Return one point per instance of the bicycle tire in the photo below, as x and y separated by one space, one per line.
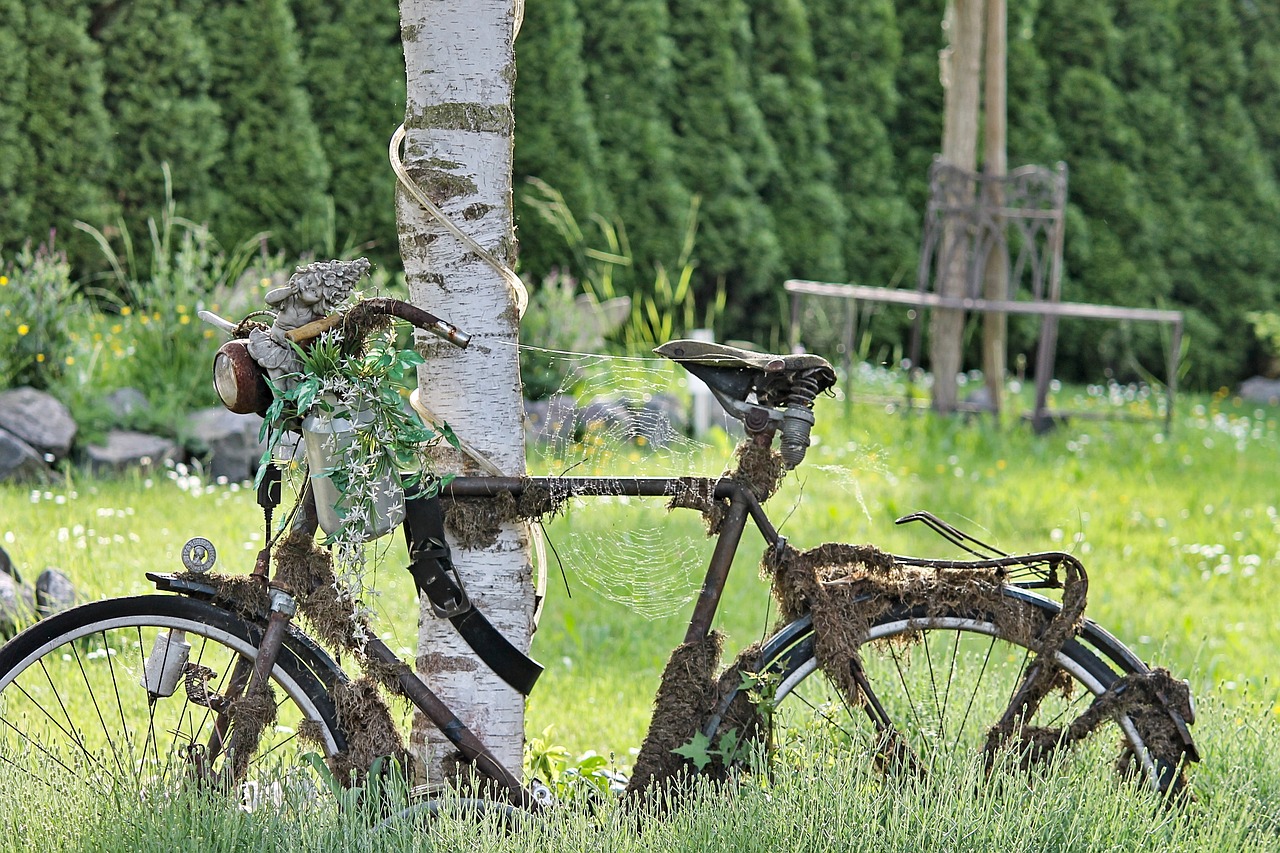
801 699
77 719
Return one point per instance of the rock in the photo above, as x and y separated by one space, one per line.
17 605
1259 389
127 449
229 442
125 401
657 421
550 421
605 414
20 461
39 419
54 593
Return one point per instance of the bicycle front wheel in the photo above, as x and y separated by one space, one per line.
935 687
129 699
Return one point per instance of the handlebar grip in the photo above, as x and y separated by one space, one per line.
424 320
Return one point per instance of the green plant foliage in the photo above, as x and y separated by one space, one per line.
273 170
558 143
66 124
810 219
353 71
725 155
16 154
858 51
364 388
148 335
630 82
40 314
156 69
661 311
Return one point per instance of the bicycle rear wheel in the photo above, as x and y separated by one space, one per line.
77 717
935 686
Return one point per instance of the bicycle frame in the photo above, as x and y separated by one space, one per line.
742 504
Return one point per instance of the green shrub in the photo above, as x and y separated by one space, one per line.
40 312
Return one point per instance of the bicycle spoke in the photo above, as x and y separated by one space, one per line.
977 684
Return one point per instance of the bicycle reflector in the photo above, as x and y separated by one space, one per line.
239 380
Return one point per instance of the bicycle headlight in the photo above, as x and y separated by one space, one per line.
239 380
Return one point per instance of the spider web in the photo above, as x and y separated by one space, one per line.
620 418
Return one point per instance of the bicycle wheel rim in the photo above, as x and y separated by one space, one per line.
942 681
76 718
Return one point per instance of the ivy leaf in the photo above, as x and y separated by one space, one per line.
696 750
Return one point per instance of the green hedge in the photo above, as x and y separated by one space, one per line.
802 128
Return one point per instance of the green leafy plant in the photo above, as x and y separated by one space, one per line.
661 309
1266 329
147 334
42 313
364 385
587 777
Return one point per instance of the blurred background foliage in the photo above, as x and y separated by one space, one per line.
799 130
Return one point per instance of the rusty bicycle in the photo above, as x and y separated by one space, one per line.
903 661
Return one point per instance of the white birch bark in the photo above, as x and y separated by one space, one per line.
460 67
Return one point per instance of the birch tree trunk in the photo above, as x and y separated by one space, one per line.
961 72
460 67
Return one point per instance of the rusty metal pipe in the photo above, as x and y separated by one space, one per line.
454 729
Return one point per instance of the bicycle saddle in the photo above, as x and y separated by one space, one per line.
687 352
766 392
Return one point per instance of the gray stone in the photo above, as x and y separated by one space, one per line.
39 419
604 414
20 461
125 401
550 421
658 421
54 593
17 605
228 441
127 449
1259 389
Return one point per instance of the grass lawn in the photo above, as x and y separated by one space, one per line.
1180 534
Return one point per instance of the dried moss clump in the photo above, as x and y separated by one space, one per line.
685 699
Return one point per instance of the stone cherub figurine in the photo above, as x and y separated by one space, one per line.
312 293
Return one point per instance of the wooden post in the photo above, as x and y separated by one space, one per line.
995 283
961 70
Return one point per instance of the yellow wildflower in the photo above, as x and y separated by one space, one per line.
23 328
40 357
4 281
184 319
71 359
126 311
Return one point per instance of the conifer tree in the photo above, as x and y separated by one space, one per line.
810 219
555 139
726 157
16 155
157 78
859 55
274 175
66 125
915 128
630 82
353 72
1239 261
